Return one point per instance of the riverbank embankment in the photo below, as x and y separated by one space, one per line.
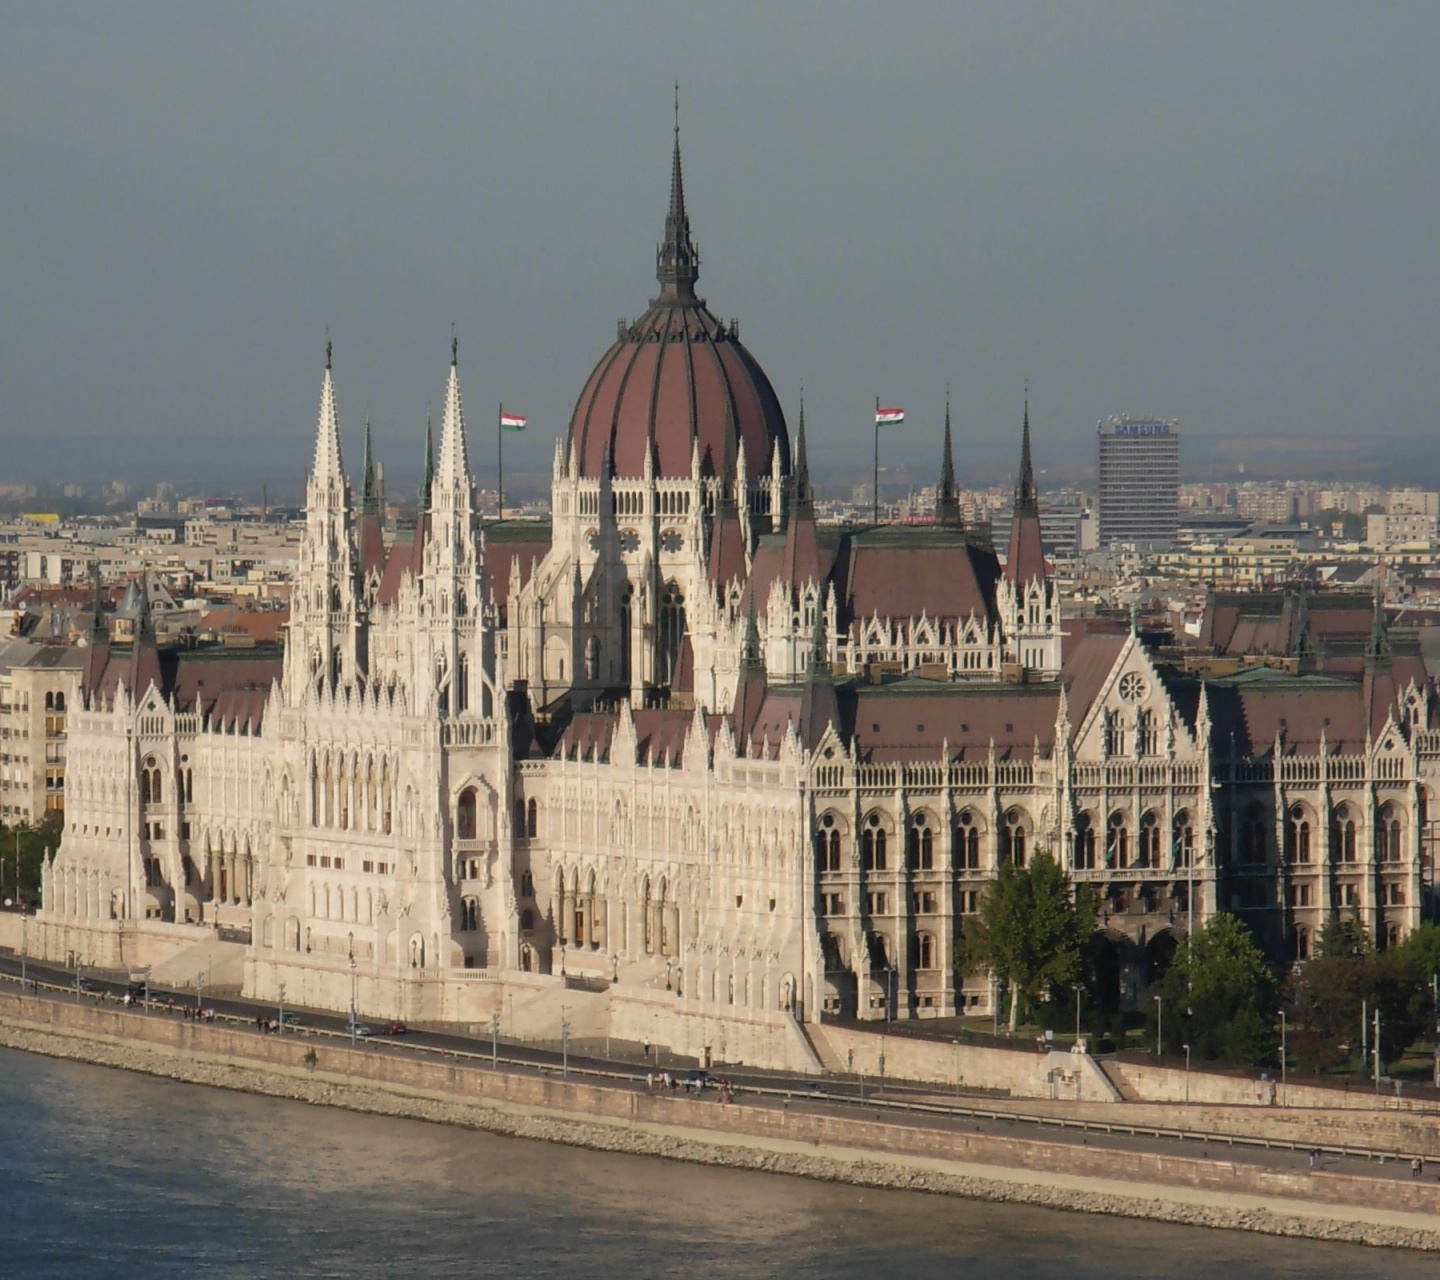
793 1137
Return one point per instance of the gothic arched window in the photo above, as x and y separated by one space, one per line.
465 815
1013 838
1342 834
672 632
1149 840
872 844
1083 840
1297 835
1117 841
967 842
1182 839
1389 847
827 845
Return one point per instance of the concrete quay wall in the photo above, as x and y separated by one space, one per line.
776 1138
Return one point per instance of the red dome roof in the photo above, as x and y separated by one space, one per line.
675 379
678 378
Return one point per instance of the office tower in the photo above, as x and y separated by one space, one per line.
1139 481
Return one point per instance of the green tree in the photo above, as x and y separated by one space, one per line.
1030 931
1220 997
1348 980
1421 950
34 840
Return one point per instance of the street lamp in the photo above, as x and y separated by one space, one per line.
1159 1023
564 1044
1282 1057
1187 1074
495 1039
147 988
280 1010
19 826
614 968
562 957
199 990
353 1018
24 950
668 964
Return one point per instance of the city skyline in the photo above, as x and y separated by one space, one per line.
973 198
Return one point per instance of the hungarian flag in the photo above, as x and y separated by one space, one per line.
512 421
889 417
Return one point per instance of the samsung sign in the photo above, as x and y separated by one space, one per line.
1142 428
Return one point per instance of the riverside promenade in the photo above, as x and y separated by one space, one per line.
792 1133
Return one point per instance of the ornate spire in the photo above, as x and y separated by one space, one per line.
800 477
329 463
370 491
677 264
1027 500
427 482
454 462
947 496
1025 561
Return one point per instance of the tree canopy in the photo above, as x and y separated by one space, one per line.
1348 979
34 840
1220 997
1030 931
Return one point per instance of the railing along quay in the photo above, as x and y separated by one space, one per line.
814 1094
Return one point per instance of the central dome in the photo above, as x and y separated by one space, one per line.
677 380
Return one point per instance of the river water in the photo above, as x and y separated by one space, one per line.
108 1174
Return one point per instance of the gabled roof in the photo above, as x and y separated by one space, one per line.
1089 660
915 719
507 541
903 571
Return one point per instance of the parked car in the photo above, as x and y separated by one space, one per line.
87 985
394 1029
357 1029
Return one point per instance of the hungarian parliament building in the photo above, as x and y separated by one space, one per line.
689 752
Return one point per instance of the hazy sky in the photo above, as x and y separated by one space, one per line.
1222 213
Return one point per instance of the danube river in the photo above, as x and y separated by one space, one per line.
103 1173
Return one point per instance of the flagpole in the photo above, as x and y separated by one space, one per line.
500 464
875 494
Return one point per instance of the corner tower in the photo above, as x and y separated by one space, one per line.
324 644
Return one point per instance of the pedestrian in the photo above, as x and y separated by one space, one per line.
1415 1167
1311 1154
850 1061
645 1044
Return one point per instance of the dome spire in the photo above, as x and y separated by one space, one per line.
677 264
369 492
1027 499
427 481
947 497
804 495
